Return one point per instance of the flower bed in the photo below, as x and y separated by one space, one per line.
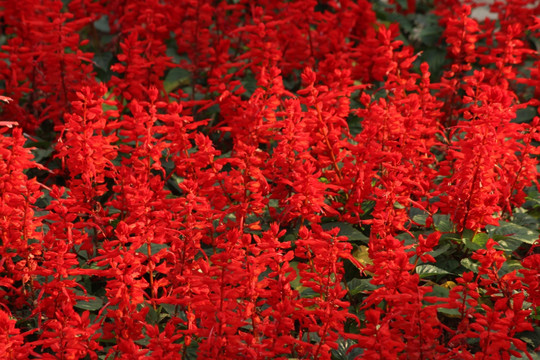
269 180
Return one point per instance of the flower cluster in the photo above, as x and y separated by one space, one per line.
269 180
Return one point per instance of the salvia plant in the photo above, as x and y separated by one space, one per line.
272 179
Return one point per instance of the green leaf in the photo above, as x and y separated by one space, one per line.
192 351
153 316
367 207
40 154
470 245
436 58
444 293
506 244
513 231
468 240
452 237
443 223
509 266
309 293
532 338
404 21
249 82
439 251
425 270
343 353
429 35
91 304
470 265
428 30
361 253
452 313
102 24
481 239
449 264
170 309
175 78
397 205
408 239
103 60
154 248
533 198
295 284
346 229
521 217
357 286
525 115
420 218
403 4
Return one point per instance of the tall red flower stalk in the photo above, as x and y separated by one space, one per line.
485 150
46 62
21 233
325 312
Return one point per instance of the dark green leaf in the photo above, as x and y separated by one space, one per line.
453 238
425 270
439 251
470 265
357 286
436 58
533 198
102 24
443 223
532 338
170 309
509 266
343 353
249 82
175 78
453 313
420 218
295 284
514 231
443 293
397 205
429 35
367 207
91 304
507 244
191 353
309 293
525 115
103 60
526 220
480 239
450 264
152 317
154 248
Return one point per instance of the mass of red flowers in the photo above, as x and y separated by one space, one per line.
273 179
